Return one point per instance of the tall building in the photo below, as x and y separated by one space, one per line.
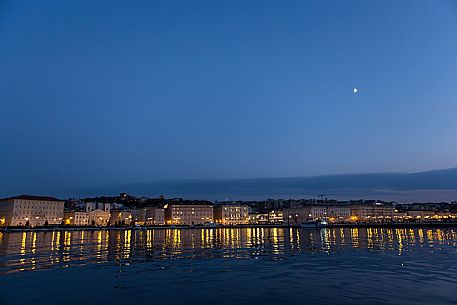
228 214
188 214
31 210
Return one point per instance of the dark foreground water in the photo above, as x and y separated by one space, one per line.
230 266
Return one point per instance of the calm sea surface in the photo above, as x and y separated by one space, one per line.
230 266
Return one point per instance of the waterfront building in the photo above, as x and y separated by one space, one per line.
122 217
154 216
76 218
421 214
296 215
188 214
427 215
313 212
140 216
231 214
98 213
258 218
338 213
275 217
372 211
31 210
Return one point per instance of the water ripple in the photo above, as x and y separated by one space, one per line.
274 265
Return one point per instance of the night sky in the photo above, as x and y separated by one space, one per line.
100 92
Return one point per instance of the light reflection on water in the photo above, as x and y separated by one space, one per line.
28 251
231 266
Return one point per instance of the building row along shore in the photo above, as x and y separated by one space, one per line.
125 210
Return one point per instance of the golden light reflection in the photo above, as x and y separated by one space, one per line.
34 242
176 238
275 241
342 236
81 241
439 236
298 239
421 235
332 237
355 237
210 237
398 234
203 238
52 241
429 234
106 244
249 236
412 237
390 238
23 248
99 243
67 239
58 248
67 246
291 236
149 239
127 243
370 238
237 239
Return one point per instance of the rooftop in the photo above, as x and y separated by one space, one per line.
29 197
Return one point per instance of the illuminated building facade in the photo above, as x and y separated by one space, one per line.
421 214
154 216
295 216
98 213
31 210
122 217
275 217
76 218
228 214
376 211
336 213
332 213
188 214
258 218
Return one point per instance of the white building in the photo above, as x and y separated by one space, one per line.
332 213
31 210
98 213
231 214
76 218
155 216
188 214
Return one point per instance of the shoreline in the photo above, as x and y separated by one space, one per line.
167 227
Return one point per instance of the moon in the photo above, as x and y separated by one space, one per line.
355 90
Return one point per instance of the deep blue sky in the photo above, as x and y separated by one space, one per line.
98 92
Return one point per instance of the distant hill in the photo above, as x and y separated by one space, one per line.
345 184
